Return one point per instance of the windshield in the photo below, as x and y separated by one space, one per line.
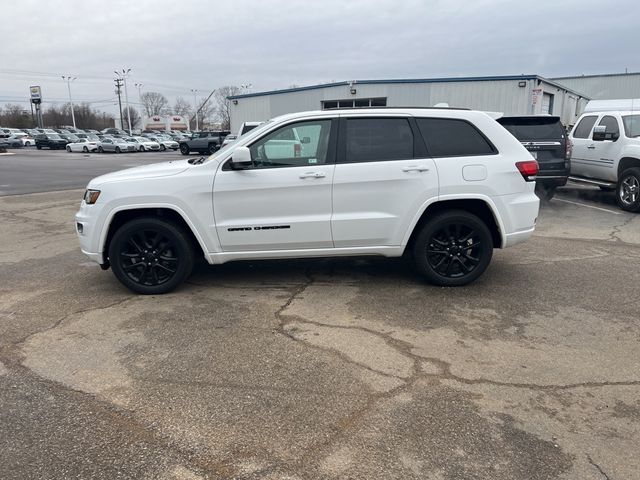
631 125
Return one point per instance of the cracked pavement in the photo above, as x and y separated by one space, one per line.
328 368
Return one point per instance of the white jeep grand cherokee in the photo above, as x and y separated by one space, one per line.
447 186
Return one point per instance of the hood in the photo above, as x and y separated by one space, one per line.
165 169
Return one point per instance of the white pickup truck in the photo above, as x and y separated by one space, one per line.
606 153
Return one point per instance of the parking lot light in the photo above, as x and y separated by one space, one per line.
69 79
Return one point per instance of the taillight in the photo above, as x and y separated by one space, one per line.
297 149
528 170
568 149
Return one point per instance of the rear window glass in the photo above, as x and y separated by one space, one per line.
631 125
447 137
533 128
584 127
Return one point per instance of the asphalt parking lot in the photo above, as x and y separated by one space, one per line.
337 368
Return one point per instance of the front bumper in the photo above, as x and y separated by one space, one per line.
87 235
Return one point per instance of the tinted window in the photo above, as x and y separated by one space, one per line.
294 145
378 139
584 127
538 128
611 123
447 137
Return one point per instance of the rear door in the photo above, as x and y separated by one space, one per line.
382 178
283 202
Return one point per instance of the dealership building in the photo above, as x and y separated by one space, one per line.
511 95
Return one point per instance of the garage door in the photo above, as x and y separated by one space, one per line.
547 103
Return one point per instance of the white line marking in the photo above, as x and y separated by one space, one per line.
588 206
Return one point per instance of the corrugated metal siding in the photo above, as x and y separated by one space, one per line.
605 87
491 95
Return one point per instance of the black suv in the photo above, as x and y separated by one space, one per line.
547 140
52 141
203 142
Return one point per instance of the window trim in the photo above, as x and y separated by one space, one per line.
494 150
331 147
418 142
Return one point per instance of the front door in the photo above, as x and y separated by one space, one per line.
604 153
283 201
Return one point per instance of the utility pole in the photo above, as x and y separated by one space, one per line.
68 79
195 106
123 76
118 82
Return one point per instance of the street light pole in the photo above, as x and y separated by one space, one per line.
68 79
195 107
139 87
124 75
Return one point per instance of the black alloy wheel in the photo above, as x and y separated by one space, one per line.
68 149
545 192
453 248
118 150
213 148
184 149
150 256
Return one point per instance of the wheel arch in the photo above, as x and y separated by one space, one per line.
627 162
119 217
480 207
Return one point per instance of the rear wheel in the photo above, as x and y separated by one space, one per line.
453 248
545 192
100 149
628 190
212 148
162 148
184 149
150 256
85 149
118 150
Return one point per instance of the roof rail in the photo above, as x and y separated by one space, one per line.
398 107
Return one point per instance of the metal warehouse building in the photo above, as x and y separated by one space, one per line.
604 87
512 95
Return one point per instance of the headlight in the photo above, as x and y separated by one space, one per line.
91 196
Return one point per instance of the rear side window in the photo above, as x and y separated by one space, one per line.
539 128
378 139
449 137
584 127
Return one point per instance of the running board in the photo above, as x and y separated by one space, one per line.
599 183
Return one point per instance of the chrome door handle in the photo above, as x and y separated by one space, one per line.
312 175
415 168
591 147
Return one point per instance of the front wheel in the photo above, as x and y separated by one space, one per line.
39 147
100 149
142 148
68 148
150 256
184 149
628 190
453 248
213 148
118 150
162 148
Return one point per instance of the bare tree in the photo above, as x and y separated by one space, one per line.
136 121
15 116
154 103
223 104
182 107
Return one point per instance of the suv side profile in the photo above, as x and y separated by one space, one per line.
203 142
444 186
606 153
546 138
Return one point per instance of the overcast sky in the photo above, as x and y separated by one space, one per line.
174 46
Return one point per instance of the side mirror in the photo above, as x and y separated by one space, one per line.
305 140
600 134
241 158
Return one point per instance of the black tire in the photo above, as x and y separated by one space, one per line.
85 149
545 192
213 148
39 147
68 148
162 148
118 150
453 248
628 190
184 149
163 246
100 149
142 148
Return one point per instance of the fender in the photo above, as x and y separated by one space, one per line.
444 198
109 218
